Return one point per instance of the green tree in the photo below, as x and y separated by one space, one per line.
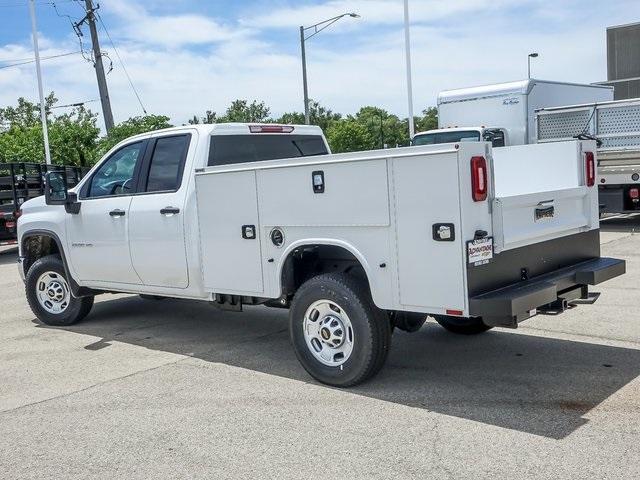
318 115
26 113
349 135
209 117
428 121
72 136
243 111
130 127
385 128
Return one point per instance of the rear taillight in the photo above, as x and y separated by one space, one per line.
589 169
634 193
271 128
479 179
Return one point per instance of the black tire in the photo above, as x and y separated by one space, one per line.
462 325
76 309
409 322
371 329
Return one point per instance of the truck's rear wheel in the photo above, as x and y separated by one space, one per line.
409 322
462 325
49 295
340 337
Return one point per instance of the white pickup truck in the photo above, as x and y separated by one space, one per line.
353 244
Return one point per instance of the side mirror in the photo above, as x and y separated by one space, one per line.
55 189
55 193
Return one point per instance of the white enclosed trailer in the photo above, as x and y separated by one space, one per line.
512 105
616 125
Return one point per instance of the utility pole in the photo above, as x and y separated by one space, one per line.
43 112
97 56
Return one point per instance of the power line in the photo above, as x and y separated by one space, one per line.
76 29
104 27
77 104
25 62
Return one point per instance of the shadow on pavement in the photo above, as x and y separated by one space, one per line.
8 255
542 386
621 223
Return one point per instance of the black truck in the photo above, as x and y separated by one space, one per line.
22 181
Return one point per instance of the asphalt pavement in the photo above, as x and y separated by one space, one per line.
178 389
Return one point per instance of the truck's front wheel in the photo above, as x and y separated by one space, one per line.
340 337
49 295
462 325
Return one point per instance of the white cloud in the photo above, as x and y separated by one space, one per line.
170 31
205 69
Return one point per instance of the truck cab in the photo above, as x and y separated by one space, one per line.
498 137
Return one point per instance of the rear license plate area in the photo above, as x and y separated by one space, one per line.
480 251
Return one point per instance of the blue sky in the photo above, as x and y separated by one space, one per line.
188 56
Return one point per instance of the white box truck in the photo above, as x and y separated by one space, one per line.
511 106
353 244
532 111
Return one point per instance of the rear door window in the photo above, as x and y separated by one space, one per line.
230 149
167 163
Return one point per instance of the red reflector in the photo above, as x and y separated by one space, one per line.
271 128
589 169
634 193
478 179
10 224
454 312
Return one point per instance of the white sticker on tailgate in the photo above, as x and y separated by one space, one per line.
480 251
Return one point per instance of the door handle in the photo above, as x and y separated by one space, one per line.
169 211
117 213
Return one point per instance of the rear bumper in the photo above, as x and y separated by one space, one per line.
511 304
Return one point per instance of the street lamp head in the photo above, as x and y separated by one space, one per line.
353 15
533 55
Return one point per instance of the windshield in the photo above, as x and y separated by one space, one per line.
447 137
228 149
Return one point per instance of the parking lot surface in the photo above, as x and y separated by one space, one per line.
178 389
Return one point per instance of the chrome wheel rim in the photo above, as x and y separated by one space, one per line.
328 333
53 293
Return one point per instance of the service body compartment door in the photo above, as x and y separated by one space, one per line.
426 193
229 239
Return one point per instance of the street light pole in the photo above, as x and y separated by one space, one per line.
317 28
529 57
43 112
407 48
